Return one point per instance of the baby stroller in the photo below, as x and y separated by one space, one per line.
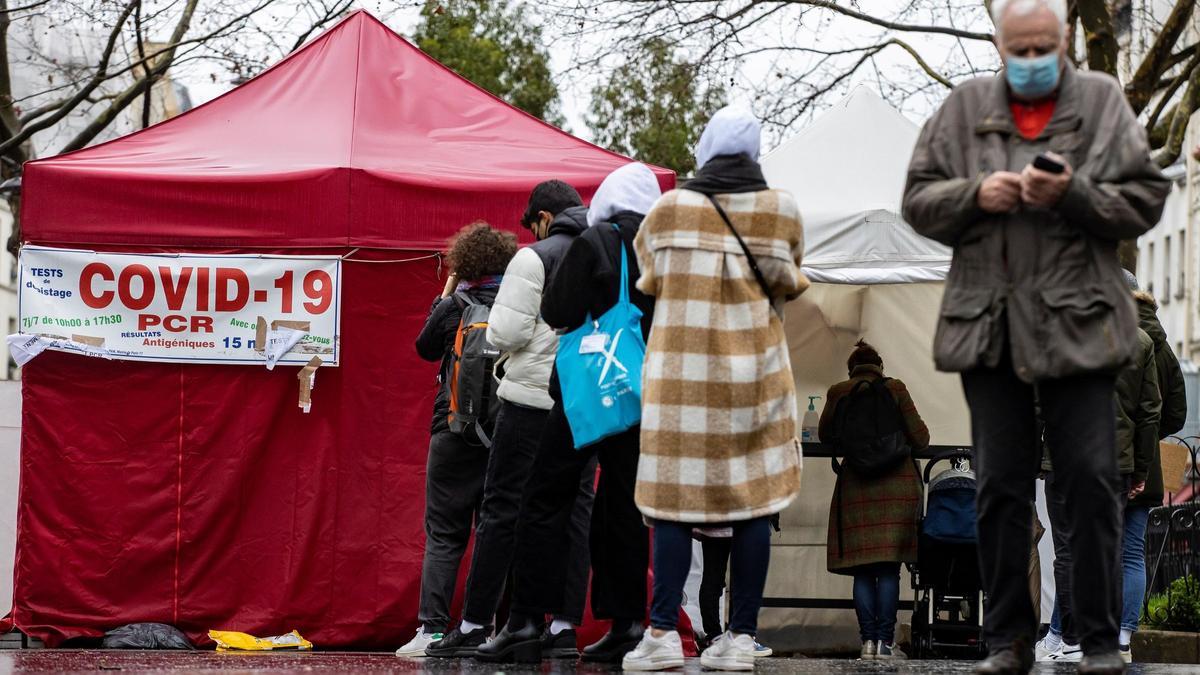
948 609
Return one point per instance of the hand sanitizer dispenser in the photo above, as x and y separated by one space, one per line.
808 427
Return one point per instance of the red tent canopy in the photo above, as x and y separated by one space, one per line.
200 495
358 139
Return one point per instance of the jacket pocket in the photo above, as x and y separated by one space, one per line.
1079 331
965 328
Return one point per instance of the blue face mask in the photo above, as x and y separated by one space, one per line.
1032 77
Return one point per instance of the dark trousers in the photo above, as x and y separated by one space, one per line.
712 582
1062 621
619 540
1080 432
749 556
876 600
453 489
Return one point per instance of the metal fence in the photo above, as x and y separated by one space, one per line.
1173 547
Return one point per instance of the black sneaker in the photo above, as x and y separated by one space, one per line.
459 645
561 646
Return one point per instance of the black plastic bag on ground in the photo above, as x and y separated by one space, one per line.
146 636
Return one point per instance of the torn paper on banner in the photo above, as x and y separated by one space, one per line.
308 380
277 341
25 347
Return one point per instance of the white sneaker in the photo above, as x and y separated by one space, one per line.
655 653
889 652
732 652
1042 652
1067 654
869 650
1126 653
417 645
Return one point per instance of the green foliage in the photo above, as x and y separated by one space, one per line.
654 107
494 45
1177 609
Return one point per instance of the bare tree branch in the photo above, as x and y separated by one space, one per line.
330 14
32 5
1179 121
1155 63
1170 92
29 130
160 66
921 62
141 50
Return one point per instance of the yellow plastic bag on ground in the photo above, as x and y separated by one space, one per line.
230 641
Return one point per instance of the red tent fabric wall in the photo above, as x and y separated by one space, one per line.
200 495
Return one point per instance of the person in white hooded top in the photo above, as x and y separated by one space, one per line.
587 282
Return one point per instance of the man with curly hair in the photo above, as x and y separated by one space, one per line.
457 463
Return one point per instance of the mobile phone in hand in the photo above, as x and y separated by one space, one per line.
1048 164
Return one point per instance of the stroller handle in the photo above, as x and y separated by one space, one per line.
961 453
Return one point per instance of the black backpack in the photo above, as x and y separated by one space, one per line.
473 400
870 429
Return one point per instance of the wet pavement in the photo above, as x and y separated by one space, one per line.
79 661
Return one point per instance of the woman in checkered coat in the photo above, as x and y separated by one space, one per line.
718 401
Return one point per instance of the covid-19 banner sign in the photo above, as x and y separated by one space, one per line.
181 306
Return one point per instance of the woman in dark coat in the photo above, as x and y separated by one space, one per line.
873 521
477 257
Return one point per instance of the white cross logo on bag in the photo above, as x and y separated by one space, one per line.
610 357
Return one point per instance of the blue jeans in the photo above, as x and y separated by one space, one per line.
1133 565
876 600
749 557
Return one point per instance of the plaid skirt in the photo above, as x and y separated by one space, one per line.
874 520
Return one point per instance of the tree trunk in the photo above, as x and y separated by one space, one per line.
1101 42
1127 253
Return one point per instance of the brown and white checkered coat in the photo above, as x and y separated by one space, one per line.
718 400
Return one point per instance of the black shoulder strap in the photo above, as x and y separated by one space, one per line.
762 282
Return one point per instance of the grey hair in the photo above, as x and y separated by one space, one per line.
1023 7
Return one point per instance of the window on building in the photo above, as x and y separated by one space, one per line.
1166 288
1181 286
1148 274
11 372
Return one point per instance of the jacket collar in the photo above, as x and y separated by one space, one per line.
866 370
997 115
571 221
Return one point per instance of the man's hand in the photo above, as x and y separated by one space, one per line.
1137 489
1042 188
1000 192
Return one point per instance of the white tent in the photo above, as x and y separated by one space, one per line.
847 172
874 278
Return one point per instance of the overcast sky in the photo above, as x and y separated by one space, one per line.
891 66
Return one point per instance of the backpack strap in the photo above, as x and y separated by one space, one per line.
463 299
750 259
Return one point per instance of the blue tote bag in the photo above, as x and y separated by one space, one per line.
600 370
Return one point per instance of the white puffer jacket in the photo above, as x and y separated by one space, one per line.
515 327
